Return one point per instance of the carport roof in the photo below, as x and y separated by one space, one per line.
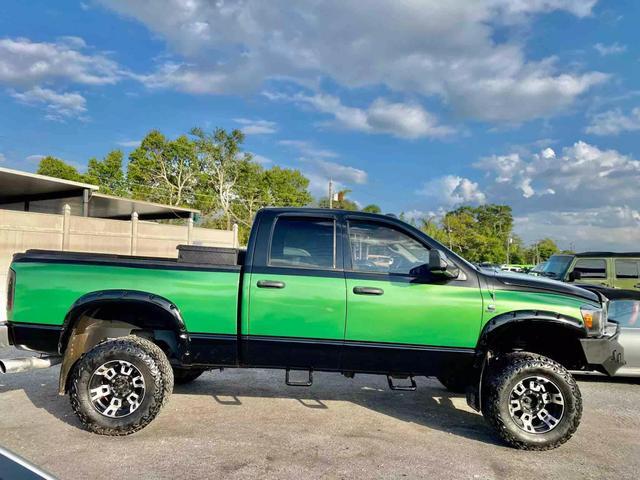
40 193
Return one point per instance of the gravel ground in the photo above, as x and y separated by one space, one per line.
248 424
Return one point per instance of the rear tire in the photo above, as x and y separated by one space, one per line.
120 385
186 375
532 402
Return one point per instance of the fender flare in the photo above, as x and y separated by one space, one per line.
509 319
71 352
500 323
105 297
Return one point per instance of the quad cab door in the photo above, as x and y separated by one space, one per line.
396 321
297 304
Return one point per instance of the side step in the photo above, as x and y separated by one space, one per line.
402 388
308 383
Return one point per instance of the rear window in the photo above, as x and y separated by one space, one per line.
303 242
627 269
591 268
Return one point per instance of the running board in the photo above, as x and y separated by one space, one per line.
308 383
402 388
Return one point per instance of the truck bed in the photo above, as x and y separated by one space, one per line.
49 282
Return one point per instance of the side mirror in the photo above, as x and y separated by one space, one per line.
439 266
575 275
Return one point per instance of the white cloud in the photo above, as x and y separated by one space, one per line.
261 159
613 122
338 172
451 190
605 228
129 143
256 127
405 120
2 157
307 149
584 194
35 158
613 49
319 169
58 106
425 48
27 63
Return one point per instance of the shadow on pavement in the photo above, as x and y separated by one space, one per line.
430 406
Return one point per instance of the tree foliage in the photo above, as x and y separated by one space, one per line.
163 170
481 234
211 172
54 167
372 208
108 174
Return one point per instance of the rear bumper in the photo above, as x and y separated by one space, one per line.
604 354
4 335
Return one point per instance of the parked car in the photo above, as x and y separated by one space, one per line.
609 269
318 289
624 308
538 269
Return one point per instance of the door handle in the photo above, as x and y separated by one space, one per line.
368 291
270 284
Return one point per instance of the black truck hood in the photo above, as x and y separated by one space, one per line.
524 282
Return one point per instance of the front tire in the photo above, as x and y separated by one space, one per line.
532 402
120 385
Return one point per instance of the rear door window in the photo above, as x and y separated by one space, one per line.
627 269
591 268
303 242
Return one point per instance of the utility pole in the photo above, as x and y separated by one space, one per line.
509 240
330 193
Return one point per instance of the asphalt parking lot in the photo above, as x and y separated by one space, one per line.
248 424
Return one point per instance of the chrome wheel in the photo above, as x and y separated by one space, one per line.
536 404
116 389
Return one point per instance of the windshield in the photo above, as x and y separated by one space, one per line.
556 266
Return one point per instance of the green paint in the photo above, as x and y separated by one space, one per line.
414 313
310 307
46 291
509 301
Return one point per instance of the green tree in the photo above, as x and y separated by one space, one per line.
542 250
108 174
220 158
342 202
479 233
287 188
372 208
256 188
163 170
54 167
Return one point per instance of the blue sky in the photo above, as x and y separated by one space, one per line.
418 106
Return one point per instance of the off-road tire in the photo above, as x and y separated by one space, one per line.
454 383
504 375
152 363
186 375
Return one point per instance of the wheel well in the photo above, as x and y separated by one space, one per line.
556 341
95 322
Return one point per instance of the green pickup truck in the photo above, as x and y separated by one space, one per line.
316 290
